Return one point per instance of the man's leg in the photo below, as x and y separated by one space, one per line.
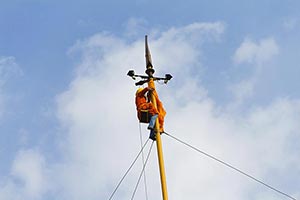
152 135
152 121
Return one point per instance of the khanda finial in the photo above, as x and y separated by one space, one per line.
149 67
149 70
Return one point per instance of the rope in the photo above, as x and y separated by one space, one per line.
232 167
111 196
136 186
143 159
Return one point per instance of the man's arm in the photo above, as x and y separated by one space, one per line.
143 92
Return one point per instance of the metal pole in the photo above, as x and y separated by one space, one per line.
159 148
150 79
150 71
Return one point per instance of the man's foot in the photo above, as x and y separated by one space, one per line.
152 135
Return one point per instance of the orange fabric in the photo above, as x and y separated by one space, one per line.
159 105
142 104
161 111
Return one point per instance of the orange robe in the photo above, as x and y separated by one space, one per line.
142 104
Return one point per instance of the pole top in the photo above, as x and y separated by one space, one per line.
149 67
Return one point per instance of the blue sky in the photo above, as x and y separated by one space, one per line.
63 84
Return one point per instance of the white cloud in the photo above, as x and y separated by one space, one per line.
99 111
9 191
99 114
8 68
135 26
259 143
102 134
257 55
28 178
251 52
242 91
29 168
290 24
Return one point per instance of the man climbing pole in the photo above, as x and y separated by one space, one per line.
146 112
150 110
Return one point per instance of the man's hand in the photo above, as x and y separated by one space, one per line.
150 88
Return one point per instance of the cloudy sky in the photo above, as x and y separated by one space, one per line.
68 122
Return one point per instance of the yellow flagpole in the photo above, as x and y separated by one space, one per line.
150 79
159 147
149 72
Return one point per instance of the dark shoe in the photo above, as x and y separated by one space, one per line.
152 135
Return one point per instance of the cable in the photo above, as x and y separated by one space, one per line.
111 196
136 186
232 167
145 180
